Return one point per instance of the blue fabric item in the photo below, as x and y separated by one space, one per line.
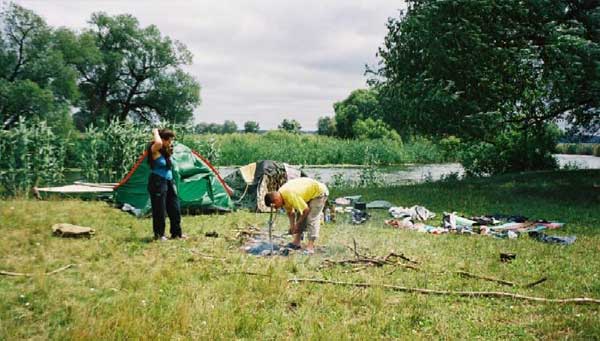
160 168
264 249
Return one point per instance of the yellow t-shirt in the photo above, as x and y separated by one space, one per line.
298 192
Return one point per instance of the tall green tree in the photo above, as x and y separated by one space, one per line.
251 127
128 71
484 70
326 126
360 104
229 127
35 81
469 68
290 125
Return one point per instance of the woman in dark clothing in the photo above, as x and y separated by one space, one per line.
163 194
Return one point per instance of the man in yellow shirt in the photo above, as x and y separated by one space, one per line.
304 196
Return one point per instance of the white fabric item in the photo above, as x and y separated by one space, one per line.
416 213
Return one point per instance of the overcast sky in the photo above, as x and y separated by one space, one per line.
257 60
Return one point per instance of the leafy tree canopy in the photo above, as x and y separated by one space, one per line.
251 127
128 71
374 129
471 68
290 125
229 127
361 104
326 126
35 82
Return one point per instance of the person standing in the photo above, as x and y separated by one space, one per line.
304 196
162 190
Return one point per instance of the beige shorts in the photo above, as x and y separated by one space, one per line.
312 223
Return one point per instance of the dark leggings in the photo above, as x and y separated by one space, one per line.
163 198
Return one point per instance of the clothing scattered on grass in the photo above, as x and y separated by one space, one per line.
416 213
542 237
359 216
347 200
382 204
499 226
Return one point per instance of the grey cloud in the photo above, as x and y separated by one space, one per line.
261 60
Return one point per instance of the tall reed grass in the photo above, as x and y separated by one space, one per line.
240 149
579 148
30 155
109 153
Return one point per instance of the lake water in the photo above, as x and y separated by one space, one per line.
399 175
419 173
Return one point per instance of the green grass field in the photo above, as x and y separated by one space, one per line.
125 287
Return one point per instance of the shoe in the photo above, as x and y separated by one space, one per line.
183 236
161 238
309 252
293 246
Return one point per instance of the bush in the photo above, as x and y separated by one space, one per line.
422 150
374 129
511 151
451 147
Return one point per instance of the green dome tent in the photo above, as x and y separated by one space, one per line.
199 185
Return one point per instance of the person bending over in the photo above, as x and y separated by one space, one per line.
303 200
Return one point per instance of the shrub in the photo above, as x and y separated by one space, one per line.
511 151
450 147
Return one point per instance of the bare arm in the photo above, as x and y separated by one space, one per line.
292 217
157 145
302 217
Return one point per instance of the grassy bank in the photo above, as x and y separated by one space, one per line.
241 149
127 287
579 148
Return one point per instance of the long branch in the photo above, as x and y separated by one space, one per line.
471 294
9 273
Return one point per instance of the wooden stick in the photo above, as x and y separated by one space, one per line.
499 294
491 279
245 273
386 261
355 250
9 273
401 256
541 280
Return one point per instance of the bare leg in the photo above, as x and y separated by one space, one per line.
296 239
